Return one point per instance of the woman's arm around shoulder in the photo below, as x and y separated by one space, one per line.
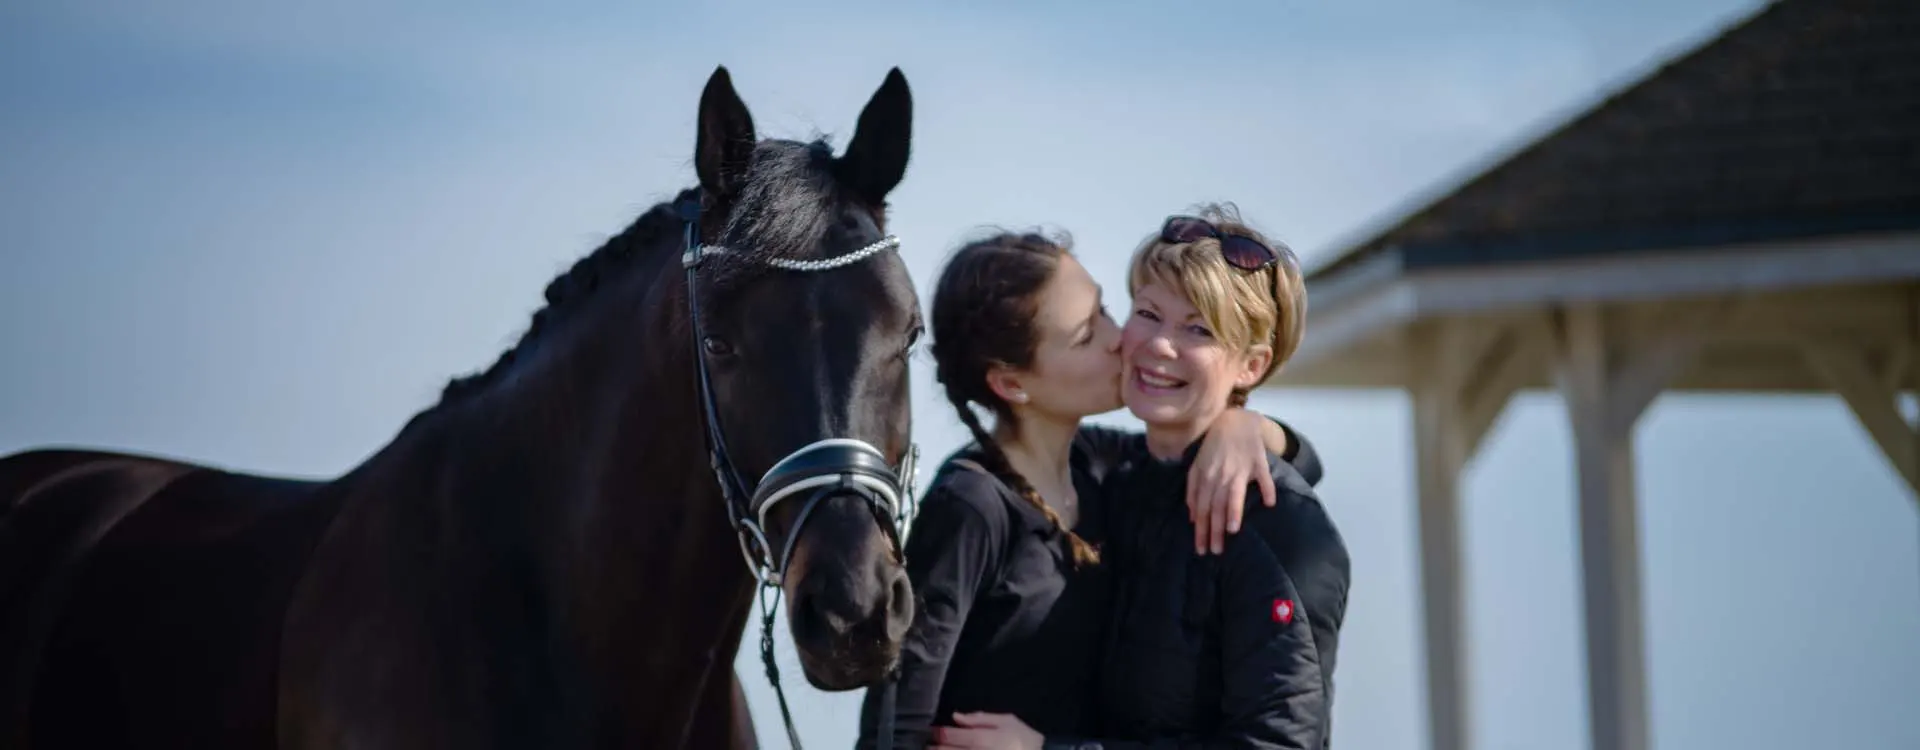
1231 457
1106 447
954 551
1241 449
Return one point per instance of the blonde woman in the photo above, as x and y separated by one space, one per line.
1233 650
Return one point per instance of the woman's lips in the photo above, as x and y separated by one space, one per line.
1156 384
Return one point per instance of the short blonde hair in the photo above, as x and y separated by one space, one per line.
1243 308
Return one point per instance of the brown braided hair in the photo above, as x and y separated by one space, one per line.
983 311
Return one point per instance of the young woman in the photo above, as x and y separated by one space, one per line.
1011 595
1235 650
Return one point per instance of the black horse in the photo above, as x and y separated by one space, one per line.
543 559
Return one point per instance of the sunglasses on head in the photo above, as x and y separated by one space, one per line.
1240 251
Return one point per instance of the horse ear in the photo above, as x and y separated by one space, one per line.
876 158
725 145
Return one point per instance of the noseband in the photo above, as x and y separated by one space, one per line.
826 468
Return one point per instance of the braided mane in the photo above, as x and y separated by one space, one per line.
785 209
569 290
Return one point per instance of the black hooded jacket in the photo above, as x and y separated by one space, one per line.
1219 651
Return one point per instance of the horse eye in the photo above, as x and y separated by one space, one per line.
913 338
716 346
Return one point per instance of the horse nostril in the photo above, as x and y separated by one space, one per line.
899 607
828 609
810 618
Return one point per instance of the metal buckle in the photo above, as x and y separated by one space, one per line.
762 568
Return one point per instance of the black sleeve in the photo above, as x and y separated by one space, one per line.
953 553
1275 696
1311 549
1300 454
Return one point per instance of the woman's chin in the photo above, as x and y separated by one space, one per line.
1152 411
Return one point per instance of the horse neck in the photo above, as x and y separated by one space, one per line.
593 464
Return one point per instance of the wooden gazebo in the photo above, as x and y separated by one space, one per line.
1746 218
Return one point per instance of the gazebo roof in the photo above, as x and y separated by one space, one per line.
1803 120
1776 165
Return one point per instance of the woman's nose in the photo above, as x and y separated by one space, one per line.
1161 345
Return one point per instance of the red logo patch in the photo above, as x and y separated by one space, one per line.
1283 611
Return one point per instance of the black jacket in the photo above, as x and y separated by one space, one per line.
1229 651
1003 622
1001 619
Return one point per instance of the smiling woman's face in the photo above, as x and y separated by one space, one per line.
1176 373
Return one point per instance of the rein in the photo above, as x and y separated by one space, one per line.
834 466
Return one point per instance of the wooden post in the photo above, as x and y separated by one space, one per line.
1463 374
1607 384
1437 465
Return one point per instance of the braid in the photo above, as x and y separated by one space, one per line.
1083 553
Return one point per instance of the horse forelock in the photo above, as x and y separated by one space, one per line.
790 202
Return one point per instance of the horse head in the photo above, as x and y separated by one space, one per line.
802 317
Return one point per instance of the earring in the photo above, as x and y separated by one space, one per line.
1020 398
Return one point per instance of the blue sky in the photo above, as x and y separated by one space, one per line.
263 234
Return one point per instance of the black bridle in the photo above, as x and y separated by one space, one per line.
826 468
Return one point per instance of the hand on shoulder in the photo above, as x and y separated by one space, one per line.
1239 450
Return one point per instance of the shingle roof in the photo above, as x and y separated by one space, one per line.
1802 120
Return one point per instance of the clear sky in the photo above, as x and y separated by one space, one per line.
263 234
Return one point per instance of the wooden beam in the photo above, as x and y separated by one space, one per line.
1654 359
1912 371
1608 381
1354 342
1872 402
1515 362
1719 367
1897 372
1852 260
